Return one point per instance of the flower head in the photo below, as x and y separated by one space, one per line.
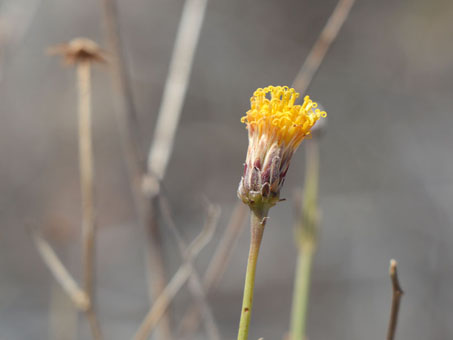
79 49
276 127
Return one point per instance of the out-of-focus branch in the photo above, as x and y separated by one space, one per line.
217 266
396 299
176 86
195 284
60 273
135 159
127 117
168 117
319 49
82 53
79 298
163 301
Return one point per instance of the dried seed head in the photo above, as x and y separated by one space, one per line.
79 50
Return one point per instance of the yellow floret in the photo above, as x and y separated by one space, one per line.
279 118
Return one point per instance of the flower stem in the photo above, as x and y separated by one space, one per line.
86 164
301 293
257 223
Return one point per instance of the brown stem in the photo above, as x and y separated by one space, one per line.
134 156
129 125
195 284
162 302
396 299
217 266
319 49
87 190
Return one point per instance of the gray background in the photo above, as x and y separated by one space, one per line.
386 167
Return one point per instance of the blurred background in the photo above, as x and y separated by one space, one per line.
386 181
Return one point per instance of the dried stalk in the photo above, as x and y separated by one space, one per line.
167 121
82 52
195 284
217 266
319 49
135 160
176 86
163 301
76 294
129 125
60 273
396 299
87 189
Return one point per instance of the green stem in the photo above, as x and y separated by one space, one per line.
257 223
301 293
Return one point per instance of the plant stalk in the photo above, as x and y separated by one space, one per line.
257 223
301 293
86 165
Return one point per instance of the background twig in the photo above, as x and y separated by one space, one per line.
217 266
167 121
319 49
60 273
195 284
87 189
176 86
175 284
396 299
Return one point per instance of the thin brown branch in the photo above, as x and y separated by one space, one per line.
168 117
217 266
86 174
396 299
161 304
63 277
87 189
195 284
319 49
60 273
129 125
176 86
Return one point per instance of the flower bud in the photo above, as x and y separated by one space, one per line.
276 127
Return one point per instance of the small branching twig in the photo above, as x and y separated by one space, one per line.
217 266
164 135
163 301
195 284
60 273
319 49
79 298
135 159
396 299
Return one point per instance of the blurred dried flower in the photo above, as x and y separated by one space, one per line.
276 127
78 50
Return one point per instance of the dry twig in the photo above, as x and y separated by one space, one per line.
167 121
60 273
217 266
396 299
163 301
129 126
195 284
135 159
319 49
82 52
176 86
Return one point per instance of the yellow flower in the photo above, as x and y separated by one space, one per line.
276 127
